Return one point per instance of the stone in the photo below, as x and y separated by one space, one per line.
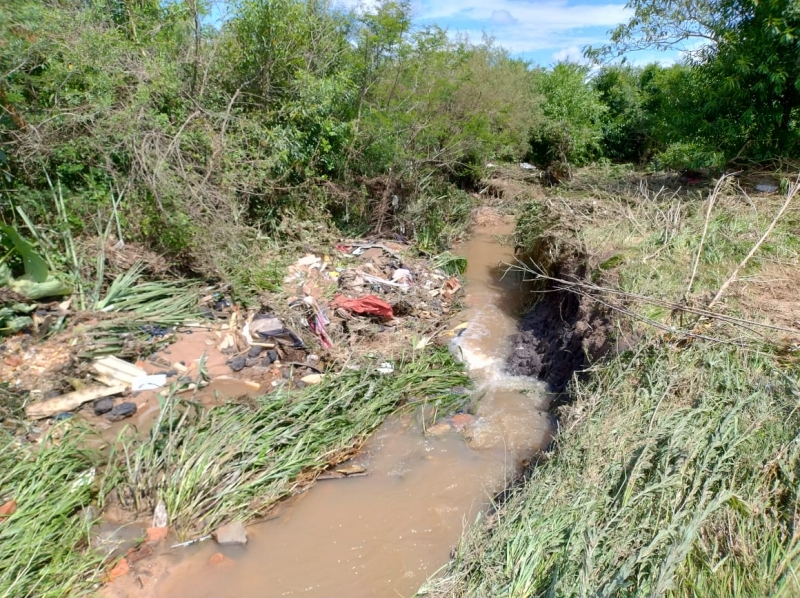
231 534
120 569
237 364
439 429
312 379
461 421
160 515
219 560
272 355
155 535
103 406
254 352
121 411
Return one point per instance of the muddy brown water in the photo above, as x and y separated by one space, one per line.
384 533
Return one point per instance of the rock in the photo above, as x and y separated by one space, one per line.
312 379
439 429
62 416
286 374
220 560
300 385
112 539
155 535
272 355
160 516
460 390
252 361
120 569
121 411
231 534
103 406
254 352
461 421
237 364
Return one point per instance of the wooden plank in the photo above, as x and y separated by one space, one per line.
72 400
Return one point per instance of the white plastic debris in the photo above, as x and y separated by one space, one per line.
148 382
526 166
385 368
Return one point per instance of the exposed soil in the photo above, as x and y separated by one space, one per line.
563 332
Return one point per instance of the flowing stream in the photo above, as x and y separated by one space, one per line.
384 533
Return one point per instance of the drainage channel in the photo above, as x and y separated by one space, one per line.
383 534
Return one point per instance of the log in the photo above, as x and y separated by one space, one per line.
72 400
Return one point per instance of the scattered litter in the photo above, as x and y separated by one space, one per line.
151 382
367 305
312 379
268 326
766 188
121 411
113 370
385 368
402 276
190 542
71 401
526 166
231 534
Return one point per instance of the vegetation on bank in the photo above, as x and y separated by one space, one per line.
674 471
233 462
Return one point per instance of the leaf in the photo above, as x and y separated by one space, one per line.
35 266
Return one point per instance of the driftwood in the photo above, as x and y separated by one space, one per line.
72 400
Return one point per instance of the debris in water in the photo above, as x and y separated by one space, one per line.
231 534
351 470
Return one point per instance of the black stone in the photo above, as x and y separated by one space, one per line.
121 411
254 352
237 364
272 355
102 406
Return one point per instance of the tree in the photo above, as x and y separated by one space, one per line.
745 53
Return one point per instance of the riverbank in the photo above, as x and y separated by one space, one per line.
674 467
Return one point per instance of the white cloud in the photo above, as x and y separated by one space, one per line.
502 17
571 54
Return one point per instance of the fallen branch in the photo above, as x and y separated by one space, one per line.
789 197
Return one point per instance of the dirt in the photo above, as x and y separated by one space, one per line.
563 332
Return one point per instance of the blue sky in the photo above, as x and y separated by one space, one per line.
542 31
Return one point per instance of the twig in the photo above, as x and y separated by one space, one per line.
734 275
711 201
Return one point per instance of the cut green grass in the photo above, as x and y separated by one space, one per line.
237 460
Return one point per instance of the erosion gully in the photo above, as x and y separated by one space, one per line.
384 533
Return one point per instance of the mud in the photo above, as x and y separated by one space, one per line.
561 334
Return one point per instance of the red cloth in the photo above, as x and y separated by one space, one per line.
369 305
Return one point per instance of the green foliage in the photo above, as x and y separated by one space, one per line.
572 127
744 68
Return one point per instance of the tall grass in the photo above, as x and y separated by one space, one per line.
675 473
237 460
676 470
44 543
